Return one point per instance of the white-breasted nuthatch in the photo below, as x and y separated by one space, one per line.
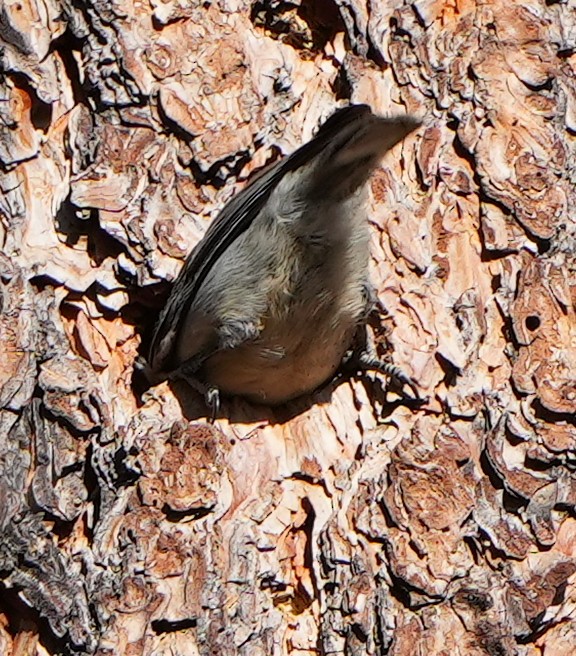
268 303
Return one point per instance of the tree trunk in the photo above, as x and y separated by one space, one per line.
347 522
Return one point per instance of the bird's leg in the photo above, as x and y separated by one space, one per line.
367 362
363 357
187 372
230 335
373 306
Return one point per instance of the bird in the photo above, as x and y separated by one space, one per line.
270 303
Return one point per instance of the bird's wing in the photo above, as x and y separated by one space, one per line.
234 219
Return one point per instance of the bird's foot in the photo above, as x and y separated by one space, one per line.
212 398
397 376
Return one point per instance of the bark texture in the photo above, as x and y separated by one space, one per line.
345 523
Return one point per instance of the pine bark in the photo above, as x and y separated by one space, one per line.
348 522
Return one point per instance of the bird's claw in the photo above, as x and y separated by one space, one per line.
212 398
398 376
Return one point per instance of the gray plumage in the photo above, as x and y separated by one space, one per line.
269 301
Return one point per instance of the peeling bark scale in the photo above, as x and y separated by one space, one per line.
341 524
